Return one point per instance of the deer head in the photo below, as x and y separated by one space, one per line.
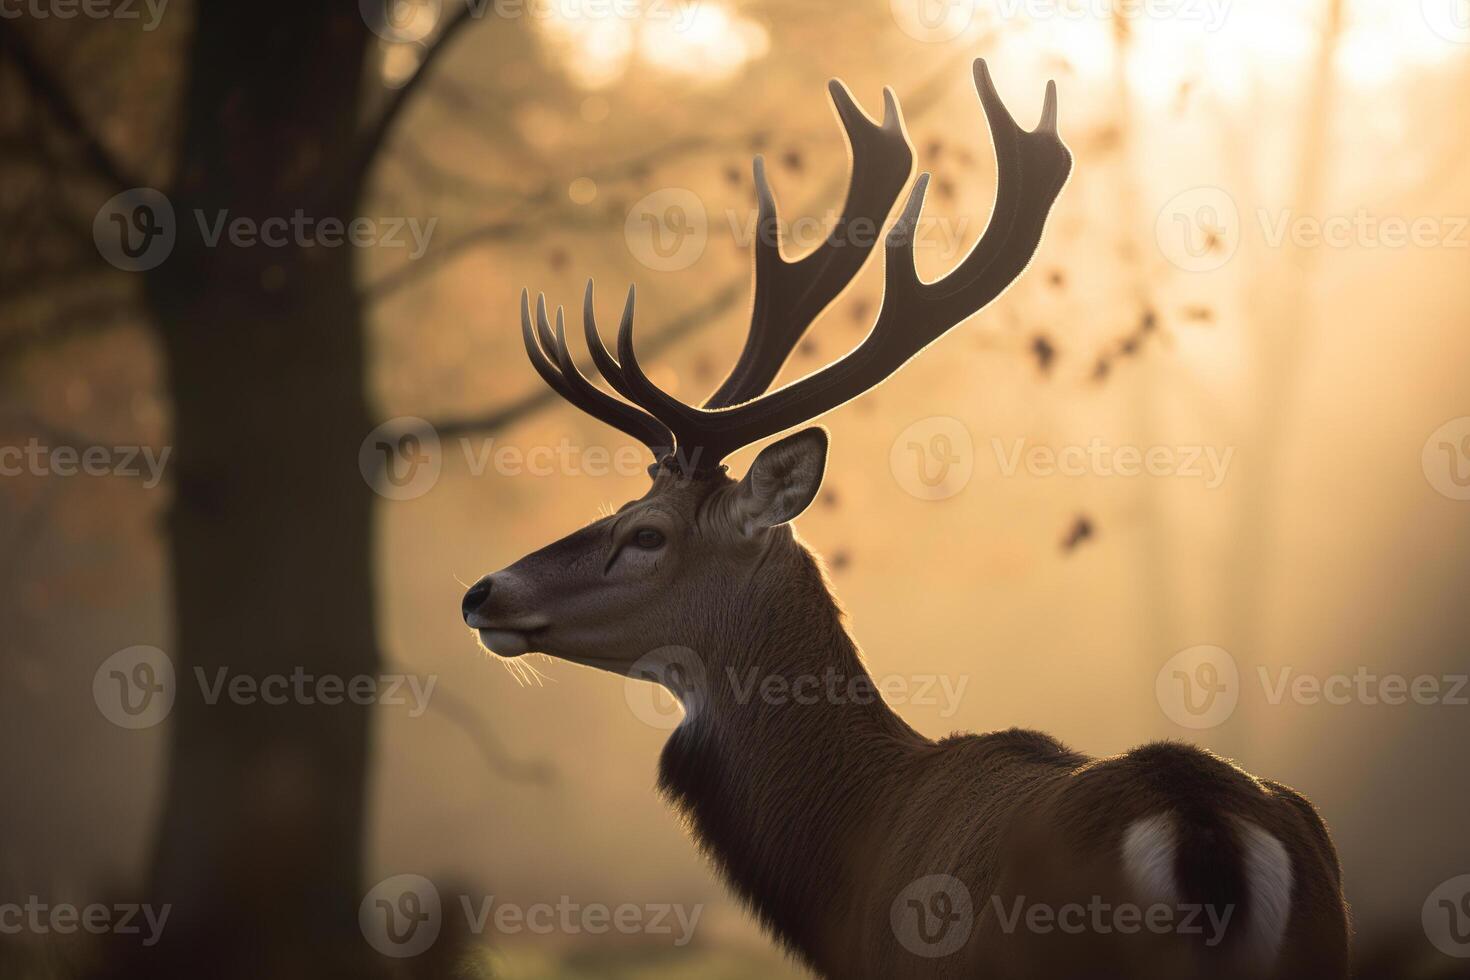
691 560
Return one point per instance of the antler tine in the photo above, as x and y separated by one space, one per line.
606 364
543 328
791 293
576 389
1032 169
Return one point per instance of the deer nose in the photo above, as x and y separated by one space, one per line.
475 597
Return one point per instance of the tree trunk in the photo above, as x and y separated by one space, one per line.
260 837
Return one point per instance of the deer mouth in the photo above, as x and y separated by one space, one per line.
510 639
510 642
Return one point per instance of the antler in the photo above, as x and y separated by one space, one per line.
563 376
790 294
1032 169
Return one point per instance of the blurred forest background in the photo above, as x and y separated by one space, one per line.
1180 301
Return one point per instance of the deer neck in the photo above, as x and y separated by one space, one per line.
784 767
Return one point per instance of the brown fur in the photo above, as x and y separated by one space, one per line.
821 814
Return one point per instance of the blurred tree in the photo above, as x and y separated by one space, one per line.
259 843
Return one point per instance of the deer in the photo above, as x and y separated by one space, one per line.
864 848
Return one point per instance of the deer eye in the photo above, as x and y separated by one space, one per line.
648 538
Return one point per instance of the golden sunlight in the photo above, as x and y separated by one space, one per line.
704 42
1224 46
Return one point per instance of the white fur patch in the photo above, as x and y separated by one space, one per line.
1150 847
1268 872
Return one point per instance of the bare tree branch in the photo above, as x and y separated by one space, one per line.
377 135
46 88
411 270
464 716
87 319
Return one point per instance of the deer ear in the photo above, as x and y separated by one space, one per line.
783 480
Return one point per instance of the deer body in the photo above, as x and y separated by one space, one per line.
865 848
821 814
